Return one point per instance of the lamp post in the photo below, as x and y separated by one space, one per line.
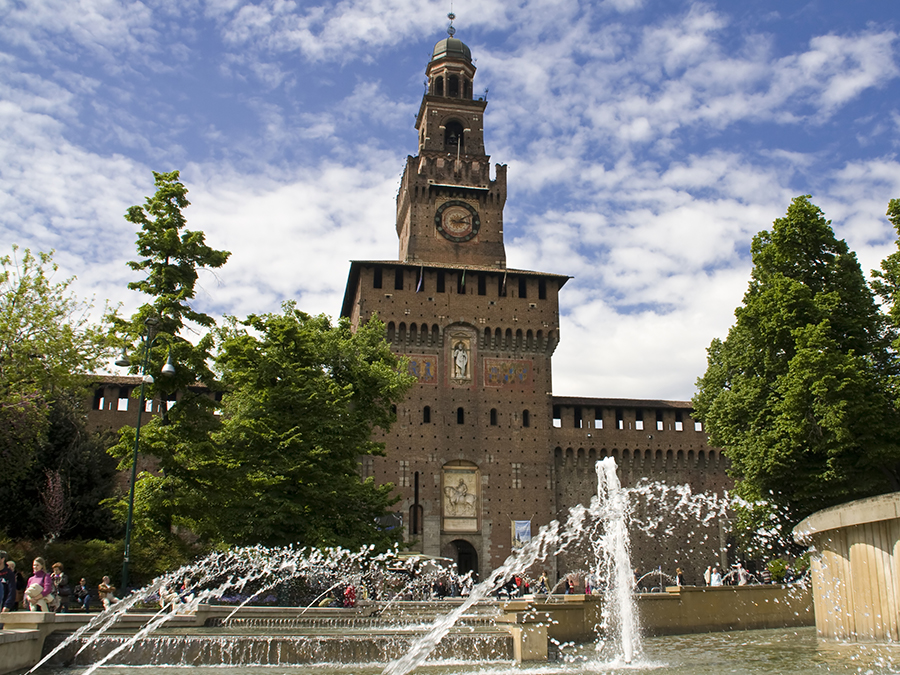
148 337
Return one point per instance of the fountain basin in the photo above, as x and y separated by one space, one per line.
512 631
856 568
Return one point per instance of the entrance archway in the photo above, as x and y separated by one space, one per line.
465 555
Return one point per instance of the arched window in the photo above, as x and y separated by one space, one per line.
526 418
453 138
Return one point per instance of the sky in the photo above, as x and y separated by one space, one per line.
647 142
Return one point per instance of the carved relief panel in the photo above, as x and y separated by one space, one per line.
461 498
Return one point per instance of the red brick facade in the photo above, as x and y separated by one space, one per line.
484 442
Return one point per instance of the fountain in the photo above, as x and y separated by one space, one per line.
229 591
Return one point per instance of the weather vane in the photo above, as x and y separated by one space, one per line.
451 31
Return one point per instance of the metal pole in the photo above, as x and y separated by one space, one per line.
148 341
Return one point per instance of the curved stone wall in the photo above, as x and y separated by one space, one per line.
856 568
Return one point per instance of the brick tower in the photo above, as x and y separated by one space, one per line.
470 452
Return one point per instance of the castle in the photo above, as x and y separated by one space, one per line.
482 453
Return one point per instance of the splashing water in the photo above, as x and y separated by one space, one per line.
613 556
244 576
608 511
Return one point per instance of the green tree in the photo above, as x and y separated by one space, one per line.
303 398
886 281
83 477
171 258
798 394
48 344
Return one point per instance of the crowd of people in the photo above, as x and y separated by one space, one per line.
48 590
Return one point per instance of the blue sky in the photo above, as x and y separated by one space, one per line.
647 142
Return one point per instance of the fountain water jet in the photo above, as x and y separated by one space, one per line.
604 523
609 511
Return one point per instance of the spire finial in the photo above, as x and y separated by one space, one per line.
451 31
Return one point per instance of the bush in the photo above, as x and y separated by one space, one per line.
777 568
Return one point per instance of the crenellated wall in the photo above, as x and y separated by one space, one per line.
651 441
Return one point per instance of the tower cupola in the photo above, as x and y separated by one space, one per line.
451 71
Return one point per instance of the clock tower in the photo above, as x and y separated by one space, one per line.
448 208
469 452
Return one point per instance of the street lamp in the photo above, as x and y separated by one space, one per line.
148 337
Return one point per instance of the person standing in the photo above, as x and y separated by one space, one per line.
39 589
61 588
715 577
20 584
7 586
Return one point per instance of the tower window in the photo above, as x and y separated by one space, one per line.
639 419
542 289
460 416
598 418
453 137
579 422
482 284
398 279
516 474
679 422
493 417
526 418
461 283
620 419
660 426
376 278
453 86
557 417
426 415
440 282
523 287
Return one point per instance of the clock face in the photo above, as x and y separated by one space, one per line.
457 220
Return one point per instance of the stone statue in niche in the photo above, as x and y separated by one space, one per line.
460 360
461 356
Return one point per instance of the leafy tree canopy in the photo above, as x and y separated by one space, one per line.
48 344
303 398
886 281
798 394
